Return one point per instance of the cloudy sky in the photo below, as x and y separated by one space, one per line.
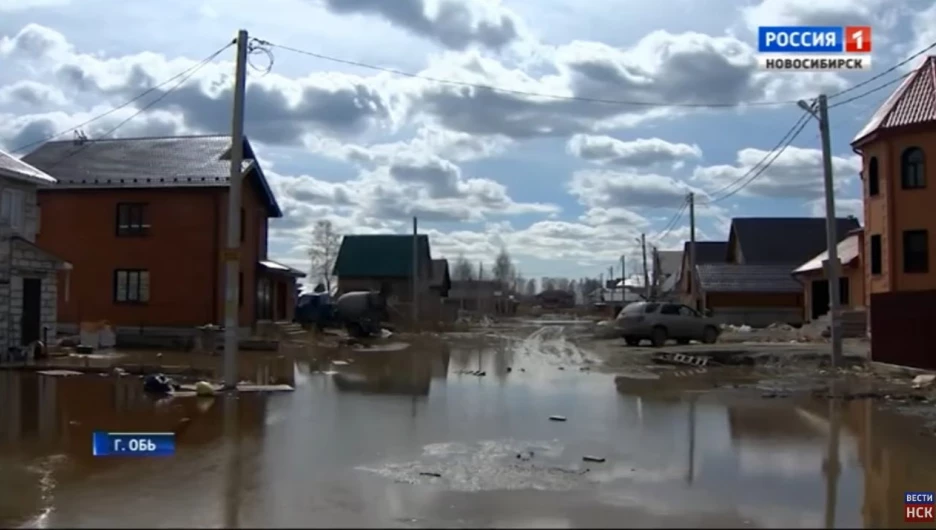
565 183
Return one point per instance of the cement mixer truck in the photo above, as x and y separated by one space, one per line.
359 312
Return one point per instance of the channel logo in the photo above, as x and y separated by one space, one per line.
814 48
918 507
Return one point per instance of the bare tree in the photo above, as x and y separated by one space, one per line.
462 269
530 288
503 268
547 283
324 251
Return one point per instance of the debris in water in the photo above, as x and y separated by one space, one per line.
557 418
562 367
597 459
430 474
509 369
204 389
157 384
340 363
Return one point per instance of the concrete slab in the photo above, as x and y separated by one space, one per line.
189 389
59 373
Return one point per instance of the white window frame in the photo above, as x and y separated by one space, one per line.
13 208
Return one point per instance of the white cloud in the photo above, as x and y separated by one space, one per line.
843 208
639 153
795 173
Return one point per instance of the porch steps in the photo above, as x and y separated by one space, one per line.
290 329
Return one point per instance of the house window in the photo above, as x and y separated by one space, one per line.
876 254
844 291
12 208
264 299
915 251
131 219
131 286
874 184
912 174
240 289
243 225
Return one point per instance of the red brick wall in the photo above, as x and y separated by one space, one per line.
181 253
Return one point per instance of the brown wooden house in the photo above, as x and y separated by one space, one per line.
755 284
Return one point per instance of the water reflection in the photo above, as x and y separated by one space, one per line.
352 446
406 372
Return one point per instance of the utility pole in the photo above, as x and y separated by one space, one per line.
692 251
478 288
232 252
415 285
832 265
646 273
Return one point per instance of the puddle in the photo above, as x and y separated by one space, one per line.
361 444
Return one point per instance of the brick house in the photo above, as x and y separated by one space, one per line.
28 273
898 147
143 221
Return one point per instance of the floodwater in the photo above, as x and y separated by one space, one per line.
408 439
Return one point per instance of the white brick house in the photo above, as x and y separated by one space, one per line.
28 274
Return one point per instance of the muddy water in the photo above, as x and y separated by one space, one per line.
411 439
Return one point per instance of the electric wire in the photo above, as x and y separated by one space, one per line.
776 154
873 90
127 103
672 222
493 88
526 93
885 72
179 82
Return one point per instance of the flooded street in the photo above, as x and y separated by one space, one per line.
416 438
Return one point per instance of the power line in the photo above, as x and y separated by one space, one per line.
127 103
885 72
526 93
755 167
873 90
804 119
672 222
180 81
492 88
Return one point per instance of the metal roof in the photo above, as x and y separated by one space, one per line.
734 278
708 251
379 255
913 102
156 162
785 240
847 252
274 266
12 167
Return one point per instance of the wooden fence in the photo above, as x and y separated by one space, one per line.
903 328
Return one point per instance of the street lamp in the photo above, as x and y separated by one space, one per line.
820 111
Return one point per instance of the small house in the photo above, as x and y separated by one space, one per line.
755 284
29 273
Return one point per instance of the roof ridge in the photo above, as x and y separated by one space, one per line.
139 138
